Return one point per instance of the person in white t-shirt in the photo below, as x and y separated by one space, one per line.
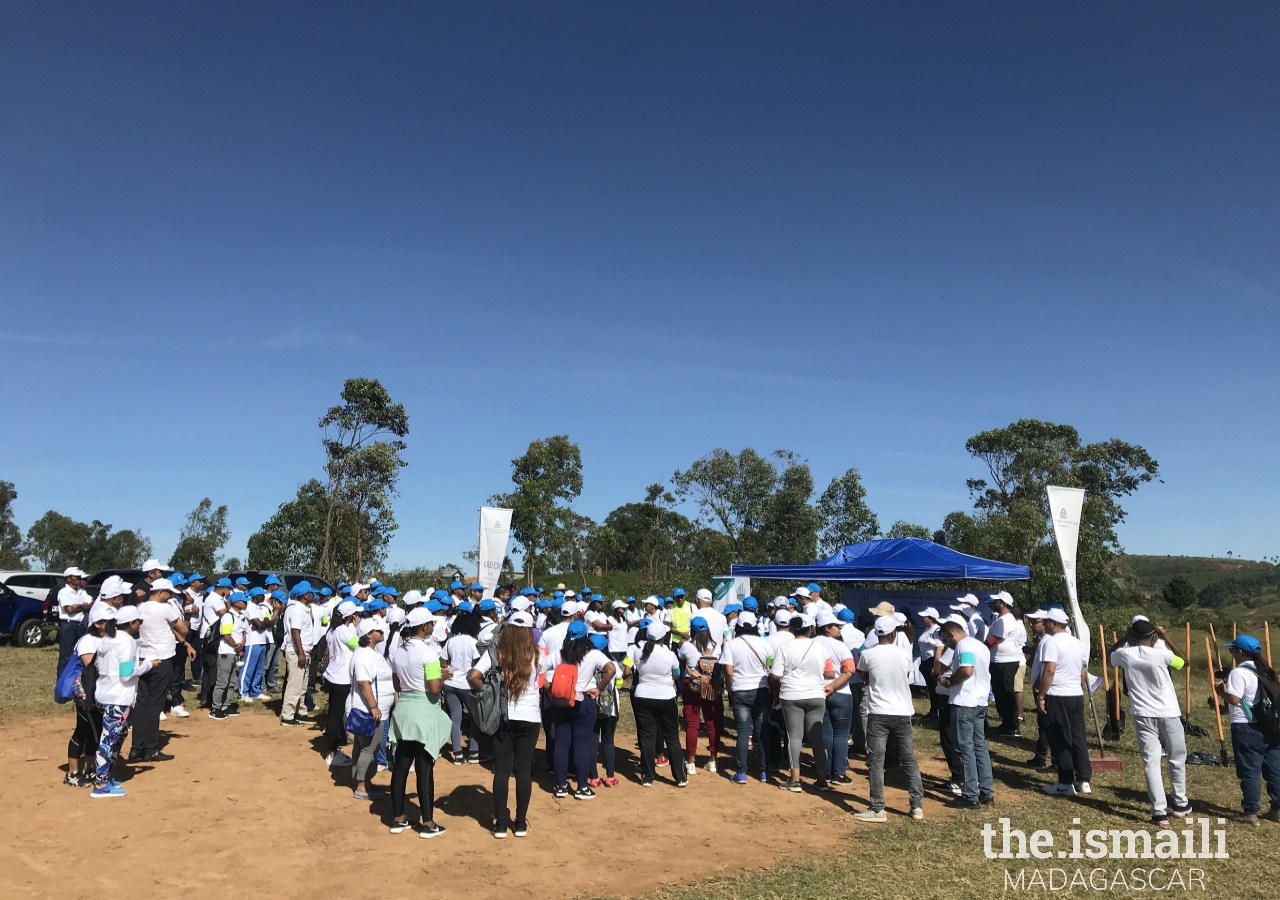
1006 637
255 647
460 653
655 668
372 692
73 604
746 659
517 655
968 681
1257 752
701 691
419 723
1060 694
88 727
297 640
1157 719
802 676
837 721
886 669
342 641
574 717
929 645
233 631
161 627
118 668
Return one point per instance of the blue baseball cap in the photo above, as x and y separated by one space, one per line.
699 624
476 587
668 600
272 580
814 586
238 597
527 592
576 630
279 595
487 605
177 580
454 585
390 592
558 594
585 590
440 594
326 592
731 607
242 580
599 641
539 590
256 592
644 623
195 576
375 583
302 587
678 592
223 582
465 607
1246 642
631 599
750 603
436 606
541 604
845 615
374 606
341 584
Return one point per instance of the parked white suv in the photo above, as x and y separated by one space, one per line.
35 585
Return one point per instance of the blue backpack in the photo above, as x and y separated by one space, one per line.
65 687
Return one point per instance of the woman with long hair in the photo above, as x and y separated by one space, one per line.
575 718
702 689
653 700
461 652
1257 752
419 723
516 655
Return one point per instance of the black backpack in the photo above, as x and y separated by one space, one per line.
1266 708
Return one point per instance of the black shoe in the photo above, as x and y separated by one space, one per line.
842 780
987 801
1034 762
157 756
1181 812
135 756
521 829
291 723
1047 767
822 786
961 803
429 831
72 779
218 715
233 710
561 791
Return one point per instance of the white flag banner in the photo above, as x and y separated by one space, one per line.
495 531
1065 505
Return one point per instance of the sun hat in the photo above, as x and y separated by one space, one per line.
883 608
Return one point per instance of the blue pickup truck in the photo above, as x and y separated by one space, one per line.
26 622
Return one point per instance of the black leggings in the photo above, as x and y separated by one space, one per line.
412 753
335 726
84 740
513 748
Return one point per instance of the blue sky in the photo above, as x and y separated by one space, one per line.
862 232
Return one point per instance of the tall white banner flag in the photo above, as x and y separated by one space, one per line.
495 530
1065 505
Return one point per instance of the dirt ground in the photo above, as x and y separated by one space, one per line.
249 808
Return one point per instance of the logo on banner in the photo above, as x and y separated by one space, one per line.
1063 514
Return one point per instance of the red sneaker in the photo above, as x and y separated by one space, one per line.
594 782
661 761
611 782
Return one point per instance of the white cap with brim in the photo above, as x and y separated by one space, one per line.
128 614
152 565
782 617
657 630
74 570
704 594
825 618
418 616
521 619
103 613
1057 615
806 620
956 620
930 612
371 624
162 584
114 586
747 618
886 625
520 604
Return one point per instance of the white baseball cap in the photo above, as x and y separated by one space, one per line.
162 584
651 600
800 592
113 586
127 614
619 604
970 599
782 617
956 620
825 618
900 618
520 604
419 616
371 624
102 612
568 594
1057 615
347 608
522 619
806 620
930 612
747 618
703 594
886 625
77 572
657 630
152 565
412 598
1037 614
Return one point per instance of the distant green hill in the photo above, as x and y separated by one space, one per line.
1246 585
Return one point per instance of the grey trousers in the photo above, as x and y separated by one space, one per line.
804 723
364 755
1154 734
224 687
881 730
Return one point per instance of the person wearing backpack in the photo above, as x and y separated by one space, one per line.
88 729
516 656
653 700
118 668
606 722
575 669
1146 654
702 691
1252 697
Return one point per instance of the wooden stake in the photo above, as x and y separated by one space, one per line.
1213 692
1233 637
1116 672
1266 632
1214 634
1102 642
1188 668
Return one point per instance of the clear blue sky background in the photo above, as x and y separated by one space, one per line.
863 232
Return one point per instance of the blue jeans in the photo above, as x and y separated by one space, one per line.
380 754
835 732
968 728
271 668
456 700
749 709
576 734
255 658
1257 757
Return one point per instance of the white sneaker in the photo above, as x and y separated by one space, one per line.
382 768
1082 787
246 699
955 789
328 760
710 766
1059 790
690 769
340 759
179 712
163 716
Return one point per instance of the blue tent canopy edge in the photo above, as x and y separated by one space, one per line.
892 559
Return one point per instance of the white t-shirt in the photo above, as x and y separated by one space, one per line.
977 628
653 676
690 654
1037 660
116 687
945 660
209 614
234 625
87 645
319 626
526 707
192 601
369 665
1013 637
853 639
887 669
749 657
461 653
1066 651
338 671
297 617
717 624
72 597
155 634
777 639
553 639
255 637
801 664
618 635
592 665
973 690
410 662
1146 672
1242 682
841 660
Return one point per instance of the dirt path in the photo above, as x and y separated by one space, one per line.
248 808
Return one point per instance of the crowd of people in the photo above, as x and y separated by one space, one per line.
456 676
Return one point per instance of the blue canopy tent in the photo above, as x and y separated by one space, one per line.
892 559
